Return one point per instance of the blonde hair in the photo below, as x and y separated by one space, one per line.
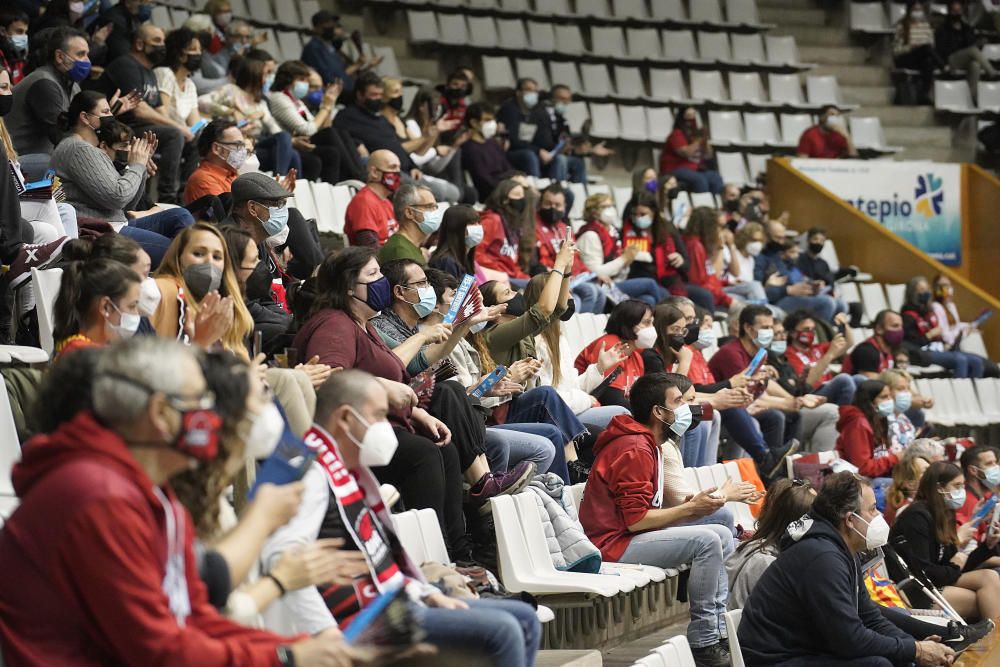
746 233
892 375
391 83
234 339
593 205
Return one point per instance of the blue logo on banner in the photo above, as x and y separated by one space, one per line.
929 195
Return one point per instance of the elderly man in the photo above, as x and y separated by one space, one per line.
419 216
215 66
134 71
370 218
97 565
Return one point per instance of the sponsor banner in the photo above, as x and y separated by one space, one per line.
919 201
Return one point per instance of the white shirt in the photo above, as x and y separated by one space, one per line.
183 100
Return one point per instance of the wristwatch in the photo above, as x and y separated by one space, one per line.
285 656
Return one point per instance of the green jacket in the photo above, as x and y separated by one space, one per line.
514 340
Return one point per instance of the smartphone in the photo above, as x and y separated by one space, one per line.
116 107
755 363
242 123
293 356
258 343
987 508
489 382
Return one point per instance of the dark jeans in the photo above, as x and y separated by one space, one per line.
923 58
703 180
839 390
961 364
154 232
429 476
771 431
276 154
504 632
303 241
544 405
334 159
168 159
701 297
558 465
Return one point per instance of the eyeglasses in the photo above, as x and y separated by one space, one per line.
417 285
802 482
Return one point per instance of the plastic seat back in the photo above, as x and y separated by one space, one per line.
45 284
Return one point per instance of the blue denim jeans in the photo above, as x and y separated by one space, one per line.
823 307
526 160
506 631
544 405
276 154
508 446
699 181
602 415
839 391
705 547
752 291
589 298
645 289
700 445
558 464
154 232
961 364
747 431
720 517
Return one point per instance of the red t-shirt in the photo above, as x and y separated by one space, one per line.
729 360
633 367
670 159
368 211
818 143
801 361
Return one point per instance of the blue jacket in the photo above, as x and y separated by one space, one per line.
812 604
322 57
765 265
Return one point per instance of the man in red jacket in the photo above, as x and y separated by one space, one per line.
97 565
622 510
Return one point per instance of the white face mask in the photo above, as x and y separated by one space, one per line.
835 121
379 444
266 432
251 164
609 216
149 296
754 248
878 532
645 338
278 239
126 327
489 129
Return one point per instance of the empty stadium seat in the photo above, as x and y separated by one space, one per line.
541 36
576 115
532 69
707 85
762 129
604 121
597 8
822 90
706 11
870 18
483 31
551 7
714 46
742 12
756 165
569 40
497 73
679 46
732 167
746 87
866 131
45 284
748 48
895 295
989 95
781 50
659 122
726 127
565 72
632 123
423 26
953 97
874 299
672 10
785 89
511 35
628 83
733 619
667 85
629 9
644 43
607 41
793 125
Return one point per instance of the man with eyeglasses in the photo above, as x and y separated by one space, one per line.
223 151
419 216
215 65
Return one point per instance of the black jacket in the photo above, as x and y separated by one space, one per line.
812 604
948 39
816 268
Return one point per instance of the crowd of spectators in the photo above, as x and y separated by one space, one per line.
203 328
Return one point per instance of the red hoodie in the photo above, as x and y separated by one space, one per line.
621 485
83 562
856 444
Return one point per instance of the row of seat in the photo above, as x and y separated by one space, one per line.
962 402
955 96
293 15
740 15
593 81
701 49
880 18
676 652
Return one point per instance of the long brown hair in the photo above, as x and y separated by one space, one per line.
233 340
663 316
704 224
786 501
935 477
550 334
906 473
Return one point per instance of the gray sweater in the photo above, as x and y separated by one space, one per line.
92 184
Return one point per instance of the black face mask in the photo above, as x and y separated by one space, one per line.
570 311
373 106
672 193
731 205
697 413
550 216
517 205
693 331
453 94
157 55
923 298
675 342
396 103
103 130
193 63
816 248
517 306
773 247
6 103
121 160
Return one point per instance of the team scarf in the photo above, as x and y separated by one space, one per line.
366 521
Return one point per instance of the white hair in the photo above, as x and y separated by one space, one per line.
928 448
153 364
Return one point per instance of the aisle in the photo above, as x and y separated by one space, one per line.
626 654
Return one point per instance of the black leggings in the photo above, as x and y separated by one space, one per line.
334 159
450 404
429 476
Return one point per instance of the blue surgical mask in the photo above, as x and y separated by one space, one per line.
643 222
20 42
79 71
561 108
268 82
885 408
779 346
904 400
706 339
431 221
955 499
473 235
300 89
144 14
428 300
315 98
530 99
764 338
991 476
277 219
682 420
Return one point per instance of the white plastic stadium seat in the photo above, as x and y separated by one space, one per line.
566 74
10 453
532 69
781 50
896 294
45 284
756 165
541 36
667 85
483 31
423 26
497 73
989 95
705 11
659 122
867 133
607 41
430 533
628 82
591 8
869 17
604 121
726 127
732 167
707 85
953 96
629 9
874 299
632 122
667 653
742 12
669 9
569 40
785 89
596 80
511 35
304 200
576 115
746 87
679 46
684 656
823 90
762 129
408 530
793 125
643 43
748 48
733 619
551 7
714 46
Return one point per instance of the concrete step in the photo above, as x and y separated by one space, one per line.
553 658
815 35
927 137
867 95
900 116
855 75
786 4
936 154
833 55
797 15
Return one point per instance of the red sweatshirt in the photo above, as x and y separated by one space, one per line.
856 443
498 251
621 485
83 561
698 271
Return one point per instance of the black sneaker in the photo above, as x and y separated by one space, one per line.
711 656
578 472
774 463
963 636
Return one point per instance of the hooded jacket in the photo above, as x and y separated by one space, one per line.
621 486
811 603
84 572
856 443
